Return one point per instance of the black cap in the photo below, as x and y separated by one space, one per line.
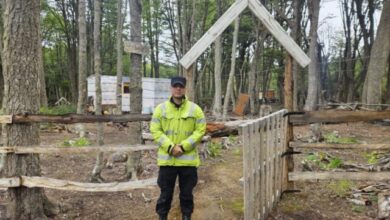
178 80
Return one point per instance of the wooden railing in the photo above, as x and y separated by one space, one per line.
338 117
264 141
38 181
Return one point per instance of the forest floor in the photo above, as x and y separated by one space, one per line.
219 193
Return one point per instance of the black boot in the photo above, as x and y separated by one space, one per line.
163 217
186 217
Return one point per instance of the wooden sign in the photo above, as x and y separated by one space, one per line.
135 47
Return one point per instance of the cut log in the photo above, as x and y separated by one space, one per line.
384 205
222 129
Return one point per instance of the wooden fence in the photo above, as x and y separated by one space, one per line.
45 182
264 141
338 117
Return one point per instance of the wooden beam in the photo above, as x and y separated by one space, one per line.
6 119
363 176
278 32
218 27
340 146
10 182
338 116
36 181
135 47
74 118
75 150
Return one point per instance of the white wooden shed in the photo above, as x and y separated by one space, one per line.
154 92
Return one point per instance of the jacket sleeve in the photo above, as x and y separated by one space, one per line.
200 129
158 134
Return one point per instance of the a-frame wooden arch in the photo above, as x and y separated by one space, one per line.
227 18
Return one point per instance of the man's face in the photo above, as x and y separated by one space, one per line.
178 91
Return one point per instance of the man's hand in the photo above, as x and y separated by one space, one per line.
177 151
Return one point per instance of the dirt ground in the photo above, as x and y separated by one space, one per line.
219 193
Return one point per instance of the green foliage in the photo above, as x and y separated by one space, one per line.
81 142
358 208
332 138
232 138
58 110
214 149
321 160
236 205
371 157
341 187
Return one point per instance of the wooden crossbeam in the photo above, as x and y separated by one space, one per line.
75 150
72 118
50 183
337 116
362 176
278 32
340 146
218 27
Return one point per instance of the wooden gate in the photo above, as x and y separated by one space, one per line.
264 141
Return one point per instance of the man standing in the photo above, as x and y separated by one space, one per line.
177 126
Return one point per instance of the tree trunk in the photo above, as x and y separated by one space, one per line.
98 92
297 70
379 53
218 69
21 81
82 94
119 61
312 92
229 87
135 128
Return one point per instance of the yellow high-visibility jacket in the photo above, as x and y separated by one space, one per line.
183 125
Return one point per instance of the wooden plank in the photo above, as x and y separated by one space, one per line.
6 119
135 47
76 150
363 176
251 171
278 32
77 118
245 147
243 101
256 161
268 166
263 146
273 160
218 27
10 182
35 181
340 146
338 116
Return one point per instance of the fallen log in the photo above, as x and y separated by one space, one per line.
223 129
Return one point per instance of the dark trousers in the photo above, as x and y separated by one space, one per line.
188 177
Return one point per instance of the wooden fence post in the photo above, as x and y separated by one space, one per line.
288 104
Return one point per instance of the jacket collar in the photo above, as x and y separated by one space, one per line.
184 100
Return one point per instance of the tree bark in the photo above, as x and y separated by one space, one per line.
312 92
229 87
135 128
119 61
98 92
21 66
218 69
379 58
82 94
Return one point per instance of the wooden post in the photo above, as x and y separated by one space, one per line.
288 104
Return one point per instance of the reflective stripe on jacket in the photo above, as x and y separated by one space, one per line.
185 125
